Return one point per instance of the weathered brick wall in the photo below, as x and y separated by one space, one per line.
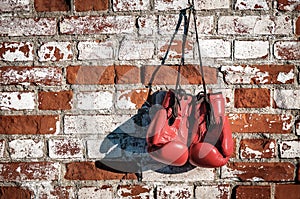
73 74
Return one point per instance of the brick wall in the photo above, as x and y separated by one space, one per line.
73 75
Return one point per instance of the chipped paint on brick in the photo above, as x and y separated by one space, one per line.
251 5
131 99
26 148
287 50
287 99
16 51
55 51
97 25
30 75
17 100
94 50
164 5
27 27
258 74
65 148
15 5
130 5
289 149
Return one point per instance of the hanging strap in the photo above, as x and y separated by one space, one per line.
182 16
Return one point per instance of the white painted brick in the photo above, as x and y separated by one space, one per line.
55 51
131 5
16 51
251 5
46 189
273 25
251 49
175 191
14 5
212 4
167 24
175 49
103 148
138 48
26 27
2 148
212 192
95 193
177 174
28 75
214 48
101 100
65 148
287 99
98 25
26 148
256 25
94 50
289 149
164 5
236 25
147 25
88 124
17 100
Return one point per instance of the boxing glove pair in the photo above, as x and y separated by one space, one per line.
185 128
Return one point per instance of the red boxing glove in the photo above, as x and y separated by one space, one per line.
168 131
212 143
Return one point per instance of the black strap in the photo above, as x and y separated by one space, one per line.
182 16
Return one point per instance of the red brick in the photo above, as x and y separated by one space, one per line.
259 74
26 171
29 124
290 191
252 98
253 192
134 191
190 74
260 171
127 74
298 27
49 6
90 74
55 100
298 173
260 123
287 50
89 171
49 76
90 5
288 5
257 148
15 192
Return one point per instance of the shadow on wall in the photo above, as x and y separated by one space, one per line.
125 148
